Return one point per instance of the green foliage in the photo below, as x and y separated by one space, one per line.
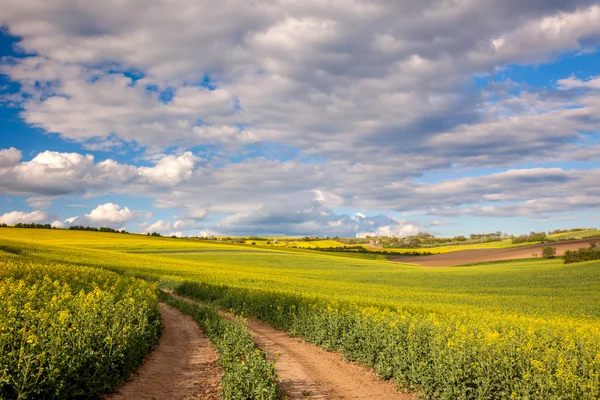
93 229
363 250
532 237
589 254
70 332
248 375
548 252
33 226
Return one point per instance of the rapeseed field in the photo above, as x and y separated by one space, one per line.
496 331
70 331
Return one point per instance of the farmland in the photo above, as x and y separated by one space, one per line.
501 330
70 331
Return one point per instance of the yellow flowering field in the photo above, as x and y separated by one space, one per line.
511 330
70 331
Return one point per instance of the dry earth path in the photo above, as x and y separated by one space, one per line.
183 365
309 372
463 257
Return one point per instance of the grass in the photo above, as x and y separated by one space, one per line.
521 329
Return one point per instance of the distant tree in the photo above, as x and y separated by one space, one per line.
548 252
591 253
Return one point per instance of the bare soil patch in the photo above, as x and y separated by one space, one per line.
484 255
183 366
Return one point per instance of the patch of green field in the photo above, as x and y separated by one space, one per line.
501 244
576 235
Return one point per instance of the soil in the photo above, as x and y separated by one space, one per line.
309 372
183 365
484 255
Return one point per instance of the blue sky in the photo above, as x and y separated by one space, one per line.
285 118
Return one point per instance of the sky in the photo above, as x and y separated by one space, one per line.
317 117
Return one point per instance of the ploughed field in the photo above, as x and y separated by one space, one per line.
519 329
462 257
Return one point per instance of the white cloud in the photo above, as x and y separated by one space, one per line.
160 226
107 215
53 174
110 213
170 170
400 229
574 83
384 77
9 157
15 217
361 99
39 202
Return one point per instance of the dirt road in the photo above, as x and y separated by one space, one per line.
183 366
483 255
307 371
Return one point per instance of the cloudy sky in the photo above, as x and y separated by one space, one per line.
322 117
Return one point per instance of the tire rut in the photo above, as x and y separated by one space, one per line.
183 365
306 371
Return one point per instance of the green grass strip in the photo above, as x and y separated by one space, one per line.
247 373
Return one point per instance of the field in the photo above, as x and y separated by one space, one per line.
297 243
525 329
500 244
70 331
590 233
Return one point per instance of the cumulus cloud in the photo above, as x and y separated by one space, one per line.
39 202
574 83
301 108
398 229
15 217
309 217
107 215
386 77
54 174
160 226
170 170
9 157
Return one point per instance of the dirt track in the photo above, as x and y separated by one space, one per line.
483 255
183 366
309 372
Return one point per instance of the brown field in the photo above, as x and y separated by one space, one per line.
485 255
